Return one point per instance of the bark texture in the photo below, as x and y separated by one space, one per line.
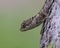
49 15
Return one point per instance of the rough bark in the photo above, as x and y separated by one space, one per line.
49 15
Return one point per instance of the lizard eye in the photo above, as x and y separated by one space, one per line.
23 25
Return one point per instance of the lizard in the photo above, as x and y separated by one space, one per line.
50 17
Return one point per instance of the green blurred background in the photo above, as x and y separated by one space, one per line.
12 13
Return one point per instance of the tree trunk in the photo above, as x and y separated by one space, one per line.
49 15
51 27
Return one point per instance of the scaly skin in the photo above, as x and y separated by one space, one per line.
37 19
